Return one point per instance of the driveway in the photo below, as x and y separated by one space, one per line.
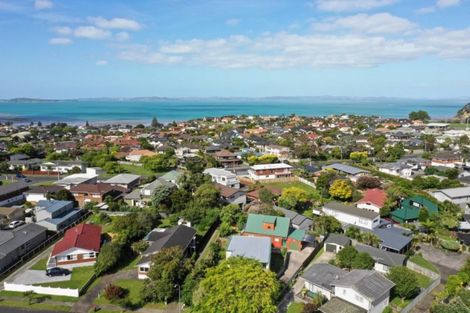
447 262
296 259
34 277
325 257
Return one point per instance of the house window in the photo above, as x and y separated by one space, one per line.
90 255
71 257
143 269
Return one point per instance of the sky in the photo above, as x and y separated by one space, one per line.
234 48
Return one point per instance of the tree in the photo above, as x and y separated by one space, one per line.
294 198
370 239
169 267
160 162
114 292
423 214
108 257
368 182
237 285
363 261
62 195
266 196
358 156
324 181
405 280
341 189
325 224
419 115
353 232
162 198
139 246
207 195
346 257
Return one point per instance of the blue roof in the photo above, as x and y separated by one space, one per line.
69 216
258 248
393 237
52 205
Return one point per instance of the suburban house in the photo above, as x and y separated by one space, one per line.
38 193
397 169
62 167
143 196
223 177
410 207
297 220
79 247
394 239
350 215
8 214
136 155
19 241
254 194
384 260
368 290
158 239
86 193
459 195
373 200
336 242
353 173
277 228
258 248
12 194
65 146
24 164
56 215
232 195
227 158
270 171
172 176
90 177
447 159
319 278
281 152
126 181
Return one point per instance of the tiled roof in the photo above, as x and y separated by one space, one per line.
375 196
84 236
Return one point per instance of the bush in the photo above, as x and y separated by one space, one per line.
114 292
450 245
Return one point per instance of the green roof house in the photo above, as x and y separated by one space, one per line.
275 227
410 207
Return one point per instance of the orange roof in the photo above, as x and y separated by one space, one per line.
375 196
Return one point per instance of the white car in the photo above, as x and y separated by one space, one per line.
15 224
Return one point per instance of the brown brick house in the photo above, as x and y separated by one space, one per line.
84 193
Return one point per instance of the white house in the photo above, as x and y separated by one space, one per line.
270 171
384 260
319 278
281 152
62 167
351 215
397 169
223 177
459 195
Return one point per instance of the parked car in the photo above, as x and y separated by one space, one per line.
14 224
19 175
57 271
26 180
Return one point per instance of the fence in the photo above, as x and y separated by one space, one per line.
40 173
426 272
306 182
27 257
84 288
53 291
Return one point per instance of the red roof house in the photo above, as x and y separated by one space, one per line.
79 247
373 199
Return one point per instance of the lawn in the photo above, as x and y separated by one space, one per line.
6 182
295 308
80 275
458 125
133 286
138 170
40 265
35 307
423 281
424 263
297 184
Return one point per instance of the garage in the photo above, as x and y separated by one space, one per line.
330 247
335 242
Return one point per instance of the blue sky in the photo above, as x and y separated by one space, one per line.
248 48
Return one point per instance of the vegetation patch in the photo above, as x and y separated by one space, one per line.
419 260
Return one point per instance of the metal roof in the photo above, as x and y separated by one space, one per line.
382 256
258 248
351 210
348 169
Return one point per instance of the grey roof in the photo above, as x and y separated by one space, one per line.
122 179
338 305
393 237
172 175
348 169
323 275
133 195
382 256
369 284
351 210
12 239
180 235
339 239
460 192
258 248
298 220
158 183
7 189
52 205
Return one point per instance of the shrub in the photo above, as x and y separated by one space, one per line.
450 245
114 292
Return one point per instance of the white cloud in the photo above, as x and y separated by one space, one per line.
288 50
350 5
115 23
122 36
232 22
43 4
426 10
62 30
101 62
447 3
380 23
91 32
60 41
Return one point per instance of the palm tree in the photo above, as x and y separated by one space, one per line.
370 239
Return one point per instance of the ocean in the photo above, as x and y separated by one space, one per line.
167 110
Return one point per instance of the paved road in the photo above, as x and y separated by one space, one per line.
34 179
7 309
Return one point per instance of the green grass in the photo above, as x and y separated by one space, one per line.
398 303
80 275
133 286
295 308
16 294
214 238
45 183
6 182
458 125
423 281
40 265
424 263
300 185
138 170
37 307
